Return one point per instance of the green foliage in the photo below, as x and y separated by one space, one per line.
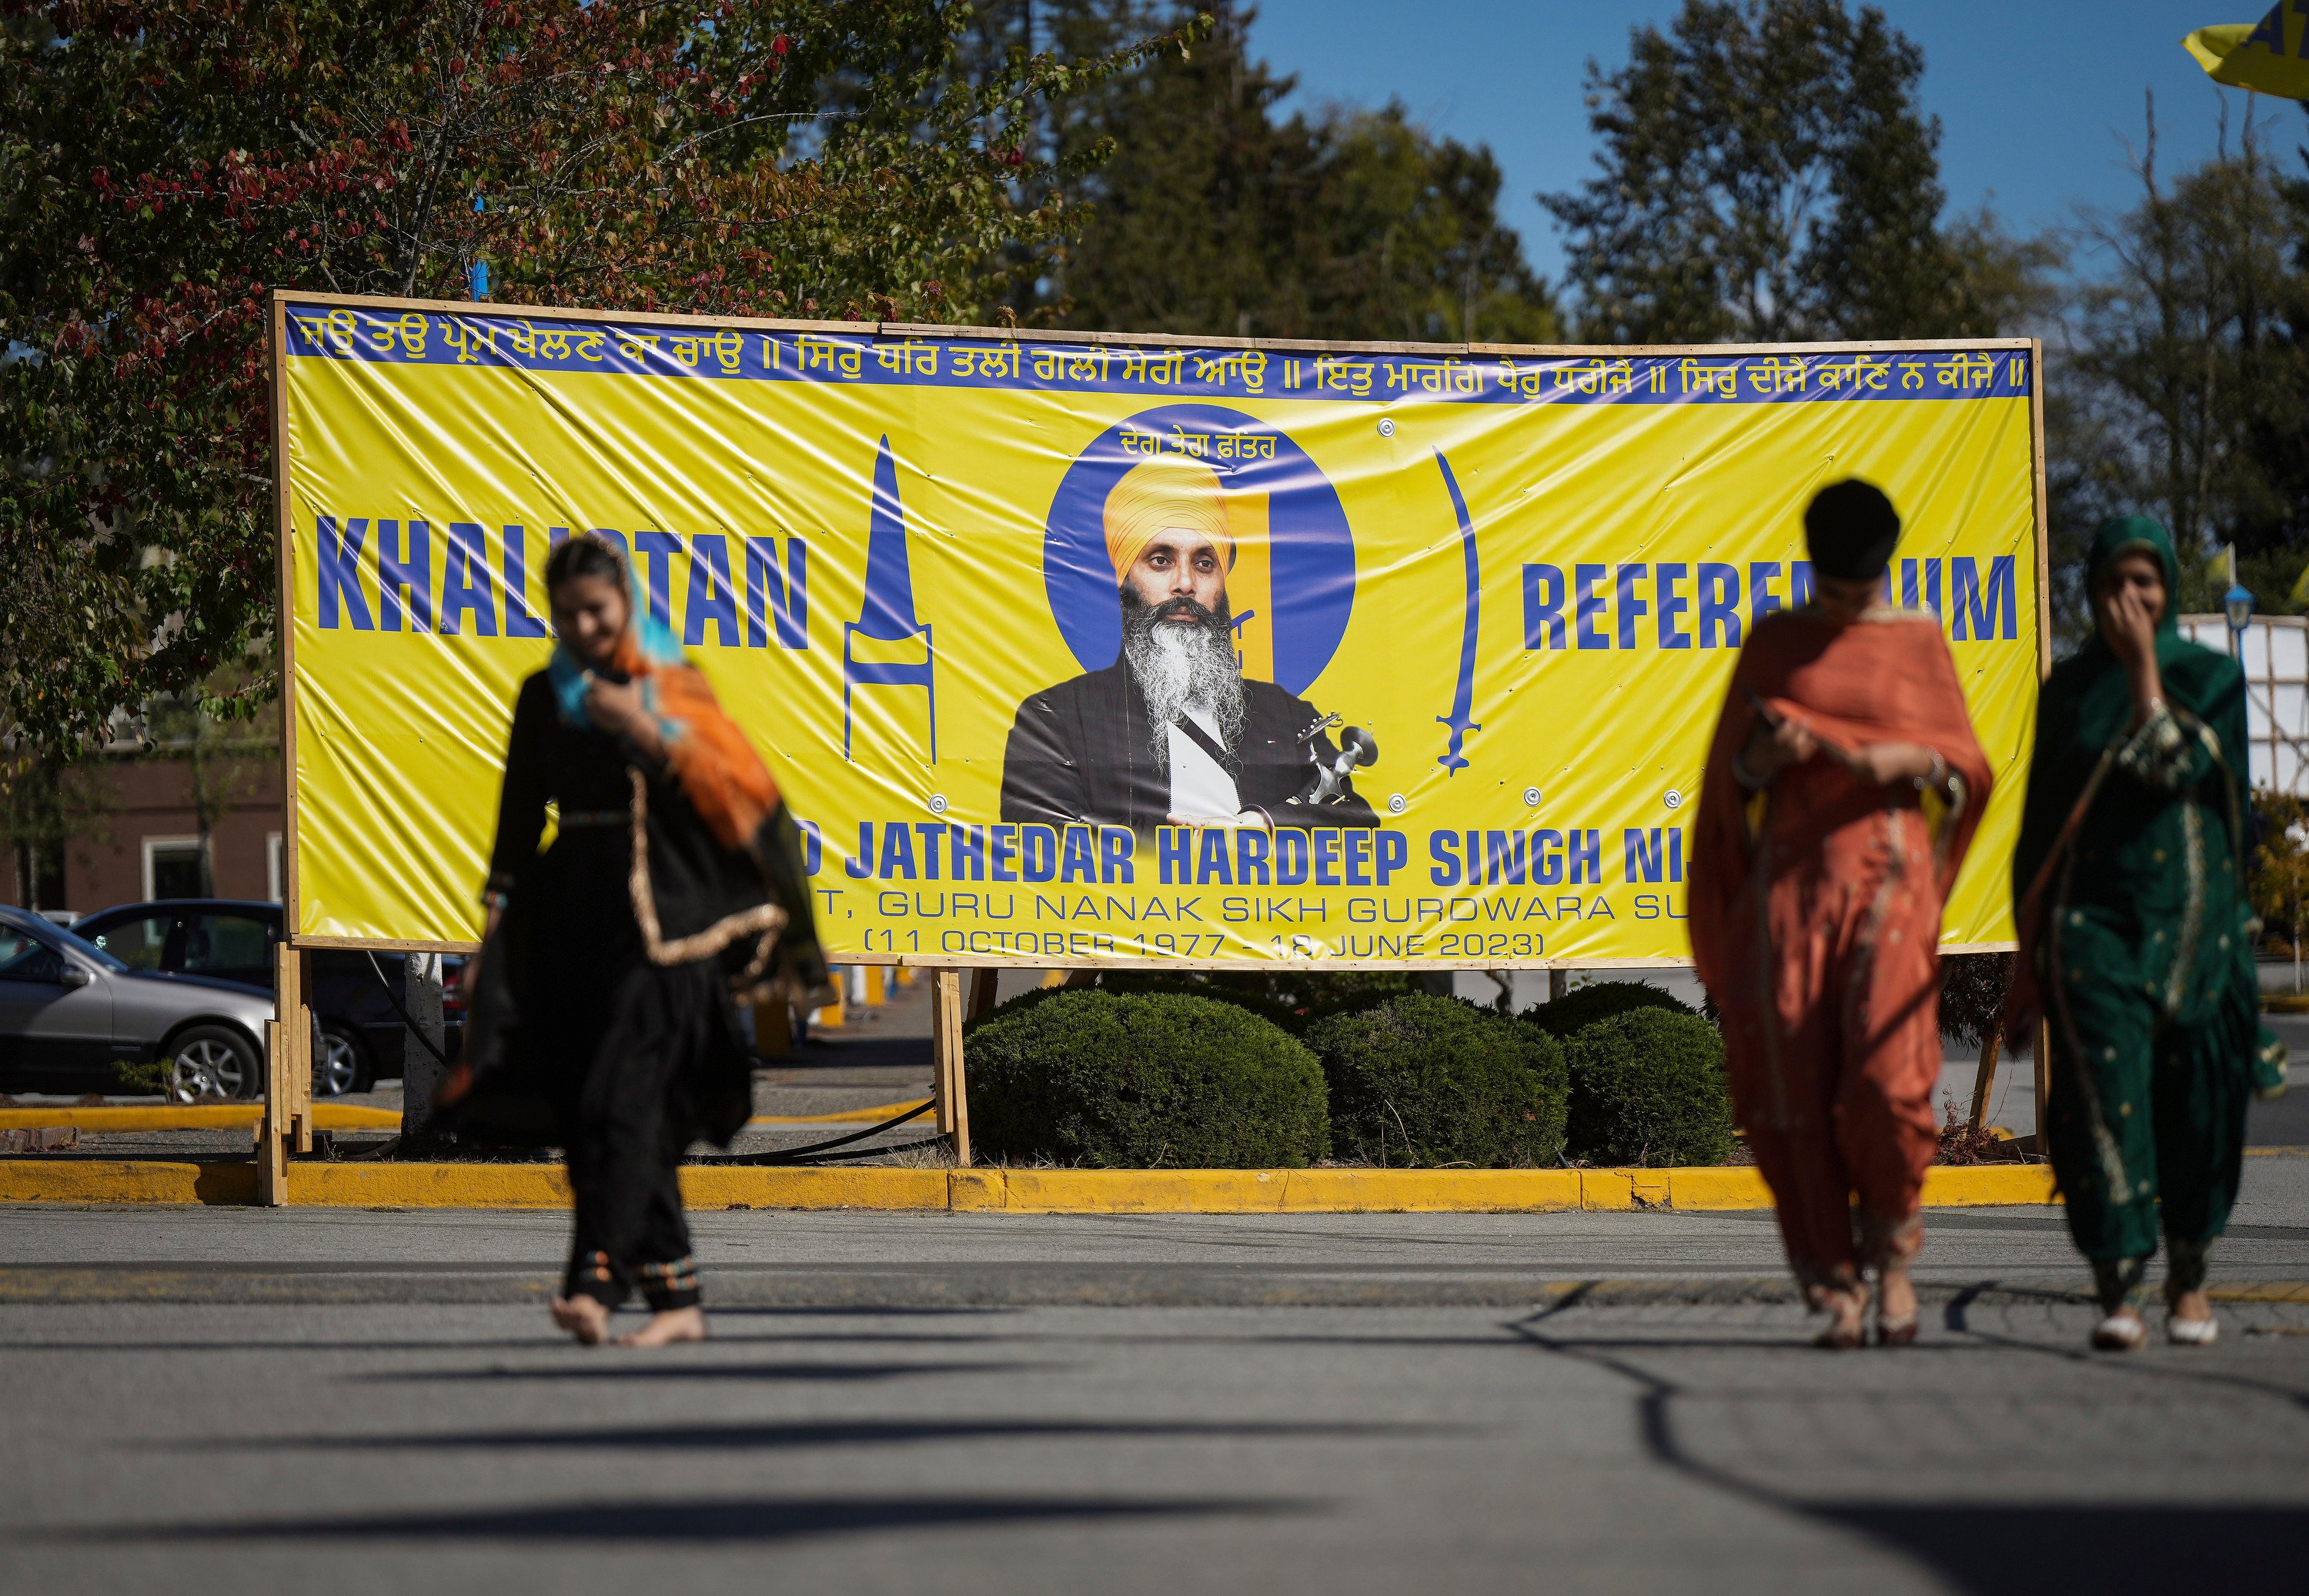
1767 175
1129 1081
1213 216
2281 864
1972 995
1566 1016
164 163
2184 392
1245 990
1312 996
1428 1081
149 1078
1648 1088
1293 999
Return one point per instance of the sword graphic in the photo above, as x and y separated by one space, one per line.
1463 700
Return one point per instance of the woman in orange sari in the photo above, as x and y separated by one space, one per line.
1841 791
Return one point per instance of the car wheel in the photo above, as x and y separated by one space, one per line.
209 1061
337 1067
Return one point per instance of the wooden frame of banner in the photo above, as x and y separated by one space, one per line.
947 1040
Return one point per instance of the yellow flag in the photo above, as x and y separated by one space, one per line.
2267 57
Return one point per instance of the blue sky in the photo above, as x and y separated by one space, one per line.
2036 99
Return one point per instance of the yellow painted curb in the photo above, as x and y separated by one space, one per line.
190 1116
2262 1291
1269 1191
327 1116
1978 1186
707 1186
846 1117
1719 1189
317 1184
124 1180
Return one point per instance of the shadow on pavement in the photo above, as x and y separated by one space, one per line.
756 1520
2026 1548
2118 1545
719 1371
857 1432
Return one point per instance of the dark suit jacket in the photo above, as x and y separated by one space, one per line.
1084 751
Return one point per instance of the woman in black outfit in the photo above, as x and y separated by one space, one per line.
604 1015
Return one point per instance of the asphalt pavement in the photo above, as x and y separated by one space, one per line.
352 1402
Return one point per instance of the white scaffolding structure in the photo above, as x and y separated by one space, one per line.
2276 659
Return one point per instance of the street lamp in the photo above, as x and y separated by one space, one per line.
2238 602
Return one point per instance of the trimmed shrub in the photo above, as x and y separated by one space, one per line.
1129 1081
1247 992
1315 995
1421 1080
1582 1007
1293 999
1648 1087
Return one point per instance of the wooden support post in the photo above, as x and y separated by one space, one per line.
287 1122
1987 1079
271 1155
2043 1086
945 985
947 1084
773 1027
982 986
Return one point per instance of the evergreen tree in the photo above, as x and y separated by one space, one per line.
1214 215
1767 175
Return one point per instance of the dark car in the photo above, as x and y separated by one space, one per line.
230 939
71 1014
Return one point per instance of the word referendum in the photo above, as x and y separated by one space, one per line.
1691 604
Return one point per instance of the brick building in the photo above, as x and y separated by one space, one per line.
127 825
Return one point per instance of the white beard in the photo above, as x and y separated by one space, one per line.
1180 667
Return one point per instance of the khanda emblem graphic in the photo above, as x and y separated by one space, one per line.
886 616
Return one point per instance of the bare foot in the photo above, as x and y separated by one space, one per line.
1896 1307
674 1324
1848 1322
584 1318
2192 1305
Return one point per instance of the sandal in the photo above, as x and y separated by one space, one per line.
2192 1333
1896 1329
2119 1332
1846 1330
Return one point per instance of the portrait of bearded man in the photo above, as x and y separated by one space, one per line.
1172 733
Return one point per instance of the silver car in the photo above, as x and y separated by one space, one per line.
71 1013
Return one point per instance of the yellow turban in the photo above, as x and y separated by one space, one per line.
1157 495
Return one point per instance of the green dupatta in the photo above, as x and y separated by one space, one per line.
2089 805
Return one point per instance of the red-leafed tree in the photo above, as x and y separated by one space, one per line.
164 164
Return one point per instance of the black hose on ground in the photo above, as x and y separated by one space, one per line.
415 1029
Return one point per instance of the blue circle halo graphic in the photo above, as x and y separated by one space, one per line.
1310 549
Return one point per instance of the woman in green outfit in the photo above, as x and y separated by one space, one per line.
2137 929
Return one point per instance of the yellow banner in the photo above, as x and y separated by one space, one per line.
1099 653
2256 56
